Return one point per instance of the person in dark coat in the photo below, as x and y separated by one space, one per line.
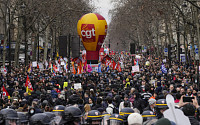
151 106
189 111
98 105
37 109
138 102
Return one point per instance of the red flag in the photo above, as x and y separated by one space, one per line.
118 67
108 57
112 53
79 68
5 71
28 85
55 68
38 66
85 67
135 62
73 68
5 93
105 59
114 64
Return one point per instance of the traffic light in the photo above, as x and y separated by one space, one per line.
171 52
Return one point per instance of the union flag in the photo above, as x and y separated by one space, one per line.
5 93
28 85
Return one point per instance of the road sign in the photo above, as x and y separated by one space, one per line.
145 48
196 50
166 50
182 58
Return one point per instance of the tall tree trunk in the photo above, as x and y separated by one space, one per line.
53 43
34 47
167 32
4 49
185 46
157 39
5 41
46 43
18 42
162 46
171 33
56 44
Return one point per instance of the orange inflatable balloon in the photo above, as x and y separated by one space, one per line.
92 29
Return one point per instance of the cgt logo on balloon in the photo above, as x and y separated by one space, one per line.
88 32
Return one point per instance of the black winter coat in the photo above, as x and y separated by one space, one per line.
193 120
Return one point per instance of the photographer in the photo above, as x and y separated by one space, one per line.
35 106
189 109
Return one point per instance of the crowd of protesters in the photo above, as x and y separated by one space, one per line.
109 91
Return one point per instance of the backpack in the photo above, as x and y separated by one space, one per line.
115 110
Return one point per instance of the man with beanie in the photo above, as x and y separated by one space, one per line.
152 104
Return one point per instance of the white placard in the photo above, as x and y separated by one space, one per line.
164 60
34 64
135 68
96 69
62 63
65 59
41 66
77 86
138 57
84 52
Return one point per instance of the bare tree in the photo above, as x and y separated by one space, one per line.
36 18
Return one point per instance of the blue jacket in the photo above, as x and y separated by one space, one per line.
54 94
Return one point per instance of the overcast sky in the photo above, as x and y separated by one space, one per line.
103 7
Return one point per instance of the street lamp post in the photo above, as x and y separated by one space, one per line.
26 43
55 41
117 47
109 47
69 40
178 40
9 40
38 38
197 72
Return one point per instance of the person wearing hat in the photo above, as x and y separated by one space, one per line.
151 106
8 117
161 106
125 112
23 118
105 118
148 117
135 119
115 119
58 110
94 117
40 119
163 121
